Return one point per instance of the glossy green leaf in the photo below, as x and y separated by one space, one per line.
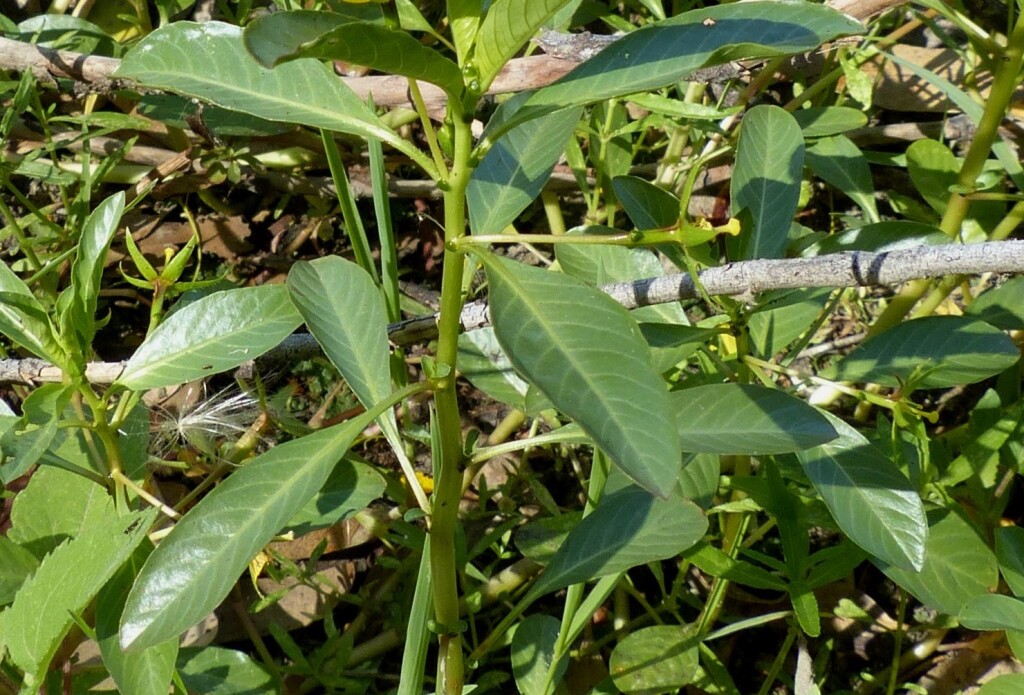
1001 306
881 236
1006 684
869 497
666 51
992 612
218 671
211 335
934 352
657 659
23 319
584 352
87 268
464 21
677 108
533 647
746 419
34 625
506 28
1010 552
349 489
277 38
196 565
648 206
766 179
629 527
274 38
838 162
823 121
208 61
138 673
16 565
515 170
958 565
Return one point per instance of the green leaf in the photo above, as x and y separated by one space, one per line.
533 647
648 206
664 52
822 121
87 268
583 351
838 162
208 61
199 561
280 37
23 319
746 419
782 316
56 505
515 170
349 489
766 179
16 565
140 673
718 563
629 527
1001 306
869 497
656 659
485 364
1010 551
933 169
933 352
958 565
464 20
274 38
506 28
992 612
882 236
41 614
220 671
343 309
1006 684
211 335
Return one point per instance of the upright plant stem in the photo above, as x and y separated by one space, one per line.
447 469
1004 84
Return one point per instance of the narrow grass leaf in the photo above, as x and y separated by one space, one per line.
209 61
211 335
869 497
586 355
746 419
766 180
194 568
629 527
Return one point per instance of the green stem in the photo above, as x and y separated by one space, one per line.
1004 84
447 470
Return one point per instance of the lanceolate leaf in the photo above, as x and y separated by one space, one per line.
23 319
869 497
935 352
584 352
629 527
209 61
506 28
746 419
194 568
648 206
516 169
211 335
275 37
87 270
766 180
65 583
362 43
663 52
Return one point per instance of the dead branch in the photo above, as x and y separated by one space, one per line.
746 278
